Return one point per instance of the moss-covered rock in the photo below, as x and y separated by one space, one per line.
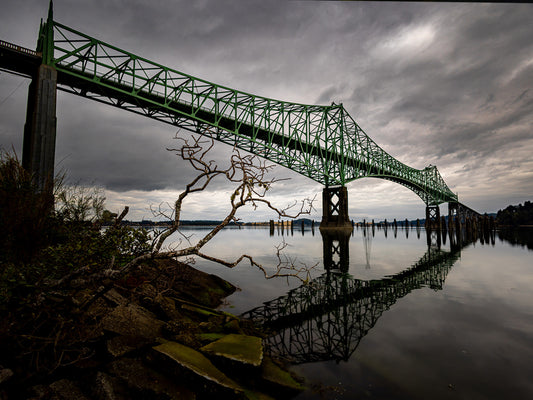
275 375
253 395
244 349
209 337
197 363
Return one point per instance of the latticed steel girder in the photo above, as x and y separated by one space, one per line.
323 143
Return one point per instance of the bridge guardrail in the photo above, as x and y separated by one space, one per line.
19 48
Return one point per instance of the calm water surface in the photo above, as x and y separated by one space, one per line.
407 320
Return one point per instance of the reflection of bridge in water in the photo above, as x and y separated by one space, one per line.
327 318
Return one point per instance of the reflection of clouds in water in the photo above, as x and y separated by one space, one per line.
476 328
502 266
474 334
388 255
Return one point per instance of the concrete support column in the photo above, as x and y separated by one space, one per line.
335 208
433 217
38 153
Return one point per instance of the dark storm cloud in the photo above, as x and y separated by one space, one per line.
448 84
458 91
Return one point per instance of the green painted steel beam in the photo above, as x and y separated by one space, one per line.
323 143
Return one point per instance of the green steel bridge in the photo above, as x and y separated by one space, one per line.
322 142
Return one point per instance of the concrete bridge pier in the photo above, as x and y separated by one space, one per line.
433 217
335 209
38 152
454 217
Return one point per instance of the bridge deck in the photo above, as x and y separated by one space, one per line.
19 59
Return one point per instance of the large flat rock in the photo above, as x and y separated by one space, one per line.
244 349
132 320
274 375
197 363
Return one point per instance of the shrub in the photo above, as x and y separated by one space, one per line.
40 244
25 212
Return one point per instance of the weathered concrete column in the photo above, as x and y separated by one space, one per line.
38 152
335 208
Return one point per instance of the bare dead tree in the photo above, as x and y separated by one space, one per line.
251 177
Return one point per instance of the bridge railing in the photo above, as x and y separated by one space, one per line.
19 48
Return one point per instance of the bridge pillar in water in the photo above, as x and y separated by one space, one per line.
335 245
433 217
38 152
335 209
453 214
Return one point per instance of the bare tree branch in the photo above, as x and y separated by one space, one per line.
251 176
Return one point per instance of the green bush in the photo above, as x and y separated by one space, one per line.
41 243
25 213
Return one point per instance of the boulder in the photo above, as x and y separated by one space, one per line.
115 297
122 345
275 376
243 349
132 320
196 363
196 286
107 387
5 374
65 389
144 379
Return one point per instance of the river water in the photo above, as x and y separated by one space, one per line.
397 314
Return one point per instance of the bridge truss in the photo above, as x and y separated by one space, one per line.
323 143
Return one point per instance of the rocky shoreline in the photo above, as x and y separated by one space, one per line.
157 335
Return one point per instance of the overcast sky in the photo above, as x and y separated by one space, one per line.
442 84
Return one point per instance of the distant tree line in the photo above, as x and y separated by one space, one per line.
516 215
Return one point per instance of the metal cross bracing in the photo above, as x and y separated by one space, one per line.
323 143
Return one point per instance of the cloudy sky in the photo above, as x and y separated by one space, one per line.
442 84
